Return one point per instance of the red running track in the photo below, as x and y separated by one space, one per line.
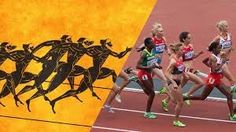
200 116
199 17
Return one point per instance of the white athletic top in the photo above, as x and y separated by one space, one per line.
226 43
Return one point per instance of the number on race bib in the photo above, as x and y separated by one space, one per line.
151 62
160 48
189 55
144 77
211 80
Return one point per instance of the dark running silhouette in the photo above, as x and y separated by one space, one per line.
75 52
51 63
5 48
59 48
99 55
22 59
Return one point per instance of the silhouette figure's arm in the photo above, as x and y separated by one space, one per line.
4 55
47 43
47 56
114 54
122 54
92 51
36 58
16 56
75 48
51 52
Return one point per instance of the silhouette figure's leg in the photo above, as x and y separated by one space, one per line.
71 81
37 94
5 91
105 72
3 75
27 77
77 71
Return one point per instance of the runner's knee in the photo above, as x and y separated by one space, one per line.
152 94
229 96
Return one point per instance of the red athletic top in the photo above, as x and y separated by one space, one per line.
179 67
160 44
188 53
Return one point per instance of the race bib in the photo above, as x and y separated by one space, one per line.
160 48
144 77
226 45
211 80
181 68
151 62
189 55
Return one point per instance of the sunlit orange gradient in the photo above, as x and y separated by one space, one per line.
36 21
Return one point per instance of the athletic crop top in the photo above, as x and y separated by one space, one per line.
179 67
225 43
160 45
149 58
188 53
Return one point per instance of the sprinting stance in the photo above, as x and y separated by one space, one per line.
175 74
75 52
214 79
99 55
188 56
116 90
59 48
5 48
160 46
225 40
146 64
22 59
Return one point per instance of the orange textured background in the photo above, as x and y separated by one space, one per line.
35 21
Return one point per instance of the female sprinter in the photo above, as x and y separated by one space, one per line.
188 56
225 40
146 64
214 79
127 80
160 46
116 90
175 74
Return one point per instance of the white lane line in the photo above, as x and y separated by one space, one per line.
183 116
157 92
114 129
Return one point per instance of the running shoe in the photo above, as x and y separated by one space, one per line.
233 89
164 105
232 117
118 98
186 101
163 90
150 115
196 72
178 124
133 78
108 109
